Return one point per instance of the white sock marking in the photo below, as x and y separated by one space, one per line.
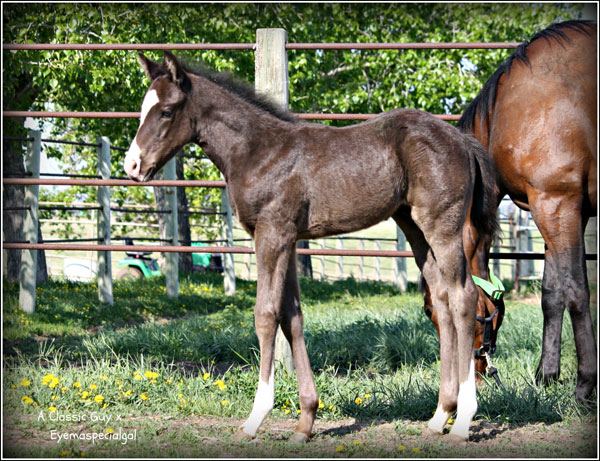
439 420
467 404
263 404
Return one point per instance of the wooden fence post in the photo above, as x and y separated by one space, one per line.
28 278
228 261
340 245
171 258
271 78
401 279
105 285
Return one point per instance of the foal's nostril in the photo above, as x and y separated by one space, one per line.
131 165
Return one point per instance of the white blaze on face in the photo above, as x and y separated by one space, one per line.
150 100
132 158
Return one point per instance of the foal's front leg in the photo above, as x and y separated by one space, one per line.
273 258
291 325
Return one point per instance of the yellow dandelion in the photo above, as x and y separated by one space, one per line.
64 453
450 420
299 411
93 387
64 389
137 377
151 375
416 450
54 397
25 382
109 430
224 402
99 398
52 384
288 411
47 378
77 384
367 396
331 407
103 377
51 408
144 396
205 376
401 447
104 406
358 400
356 442
27 400
340 448
128 393
13 386
85 394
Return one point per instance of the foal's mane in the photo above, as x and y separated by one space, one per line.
239 88
487 96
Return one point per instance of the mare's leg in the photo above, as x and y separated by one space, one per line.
273 252
565 284
291 325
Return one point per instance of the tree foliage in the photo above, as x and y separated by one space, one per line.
353 81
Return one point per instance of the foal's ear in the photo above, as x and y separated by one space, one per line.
176 72
152 69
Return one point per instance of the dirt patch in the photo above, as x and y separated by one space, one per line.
202 436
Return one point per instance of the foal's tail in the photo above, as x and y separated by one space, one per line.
483 210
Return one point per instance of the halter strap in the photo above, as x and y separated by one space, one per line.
495 290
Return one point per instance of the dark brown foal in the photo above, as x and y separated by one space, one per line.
288 180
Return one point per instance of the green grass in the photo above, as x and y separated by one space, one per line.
374 353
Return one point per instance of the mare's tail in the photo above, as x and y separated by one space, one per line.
483 210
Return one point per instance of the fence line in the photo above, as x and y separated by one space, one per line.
252 46
106 181
246 250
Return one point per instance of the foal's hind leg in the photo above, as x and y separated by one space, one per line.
445 267
273 258
448 393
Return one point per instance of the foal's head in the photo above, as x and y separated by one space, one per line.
165 123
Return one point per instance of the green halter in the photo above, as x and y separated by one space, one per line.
495 289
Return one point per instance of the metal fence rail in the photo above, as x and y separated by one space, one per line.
252 46
245 250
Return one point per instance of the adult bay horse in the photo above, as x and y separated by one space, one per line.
536 115
289 180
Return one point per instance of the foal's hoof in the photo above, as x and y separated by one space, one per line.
429 431
241 436
456 440
299 437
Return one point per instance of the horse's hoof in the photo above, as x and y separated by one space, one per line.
456 440
429 431
241 436
299 437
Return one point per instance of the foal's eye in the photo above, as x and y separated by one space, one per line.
166 114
